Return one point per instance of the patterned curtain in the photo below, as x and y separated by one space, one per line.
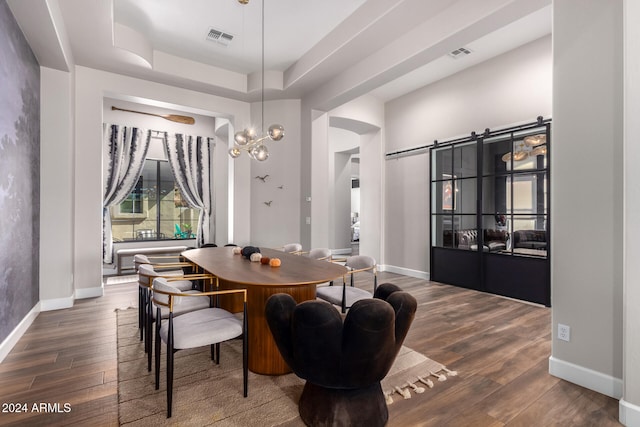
124 152
190 161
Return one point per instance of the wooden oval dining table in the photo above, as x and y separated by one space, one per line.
297 276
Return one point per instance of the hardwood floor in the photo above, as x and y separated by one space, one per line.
500 348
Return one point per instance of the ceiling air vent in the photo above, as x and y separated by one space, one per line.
219 37
459 53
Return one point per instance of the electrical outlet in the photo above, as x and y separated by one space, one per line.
564 332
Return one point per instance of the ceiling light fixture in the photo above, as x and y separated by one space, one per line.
539 151
247 139
533 140
517 156
531 146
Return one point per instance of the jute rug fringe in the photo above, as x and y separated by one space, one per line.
411 372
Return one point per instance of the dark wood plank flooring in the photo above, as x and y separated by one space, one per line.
500 348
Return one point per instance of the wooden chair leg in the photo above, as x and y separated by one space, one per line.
217 353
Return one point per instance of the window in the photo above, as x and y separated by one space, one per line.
515 189
133 202
505 176
454 172
155 209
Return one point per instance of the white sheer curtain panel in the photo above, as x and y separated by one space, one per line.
190 159
124 152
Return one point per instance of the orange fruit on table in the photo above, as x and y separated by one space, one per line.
275 262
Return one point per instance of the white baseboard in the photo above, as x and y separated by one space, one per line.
404 271
83 293
343 251
56 303
17 333
629 414
585 377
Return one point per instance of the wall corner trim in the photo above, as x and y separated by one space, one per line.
404 271
629 413
585 377
56 303
95 292
12 339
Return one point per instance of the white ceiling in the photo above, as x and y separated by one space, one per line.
329 50
512 36
292 27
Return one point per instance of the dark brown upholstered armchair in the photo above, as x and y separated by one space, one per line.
343 362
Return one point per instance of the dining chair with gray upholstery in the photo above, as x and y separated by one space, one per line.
208 326
146 272
146 275
182 284
322 254
292 248
345 296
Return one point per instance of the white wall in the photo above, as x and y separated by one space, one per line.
366 109
341 143
407 213
630 403
587 193
203 126
223 189
512 88
368 113
319 193
56 189
341 212
355 200
372 196
278 224
366 116
91 87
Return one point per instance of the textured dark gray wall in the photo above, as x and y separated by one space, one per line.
19 174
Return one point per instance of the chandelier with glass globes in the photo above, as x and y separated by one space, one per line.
248 140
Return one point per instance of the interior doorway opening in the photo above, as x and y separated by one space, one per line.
355 206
